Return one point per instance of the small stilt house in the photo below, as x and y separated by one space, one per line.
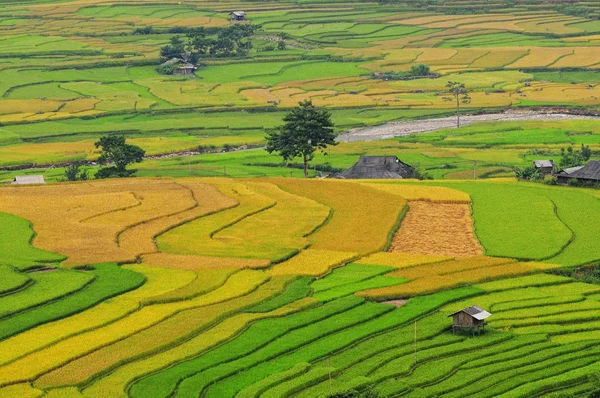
377 167
544 166
237 15
471 319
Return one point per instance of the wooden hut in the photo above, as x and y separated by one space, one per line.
590 173
471 319
544 166
237 15
180 67
377 167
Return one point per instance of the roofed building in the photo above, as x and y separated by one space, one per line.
181 67
237 15
28 180
544 166
590 173
471 318
377 167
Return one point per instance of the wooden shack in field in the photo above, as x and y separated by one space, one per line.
544 166
471 319
377 167
238 15
180 67
590 173
28 180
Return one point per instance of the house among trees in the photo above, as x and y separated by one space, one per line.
590 173
238 15
27 180
179 67
544 166
377 167
471 318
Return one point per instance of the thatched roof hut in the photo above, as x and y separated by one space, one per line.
377 167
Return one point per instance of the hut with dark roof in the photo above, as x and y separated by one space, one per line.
544 166
590 173
377 167
471 318
180 67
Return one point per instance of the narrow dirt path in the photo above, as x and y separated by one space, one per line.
404 128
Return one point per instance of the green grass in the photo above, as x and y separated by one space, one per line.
47 287
264 332
11 279
294 291
512 220
16 236
353 278
110 281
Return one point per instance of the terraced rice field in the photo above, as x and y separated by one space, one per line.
223 324
184 283
72 71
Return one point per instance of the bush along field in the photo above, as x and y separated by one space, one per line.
284 287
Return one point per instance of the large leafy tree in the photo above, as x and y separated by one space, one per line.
116 151
459 94
306 130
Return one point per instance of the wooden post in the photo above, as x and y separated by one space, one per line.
330 381
415 342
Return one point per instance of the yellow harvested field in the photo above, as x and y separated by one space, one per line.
362 217
441 229
196 237
422 192
275 232
191 262
140 239
581 57
23 390
401 260
539 57
312 263
498 58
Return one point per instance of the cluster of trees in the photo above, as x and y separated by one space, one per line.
233 41
572 158
115 153
416 71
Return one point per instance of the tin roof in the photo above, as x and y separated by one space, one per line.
22 180
475 311
543 163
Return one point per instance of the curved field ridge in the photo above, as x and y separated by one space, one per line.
16 236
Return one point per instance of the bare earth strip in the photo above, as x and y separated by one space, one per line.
400 129
437 228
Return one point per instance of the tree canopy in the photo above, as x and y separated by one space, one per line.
116 151
306 130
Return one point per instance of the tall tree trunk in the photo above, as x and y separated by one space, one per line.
305 166
457 113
